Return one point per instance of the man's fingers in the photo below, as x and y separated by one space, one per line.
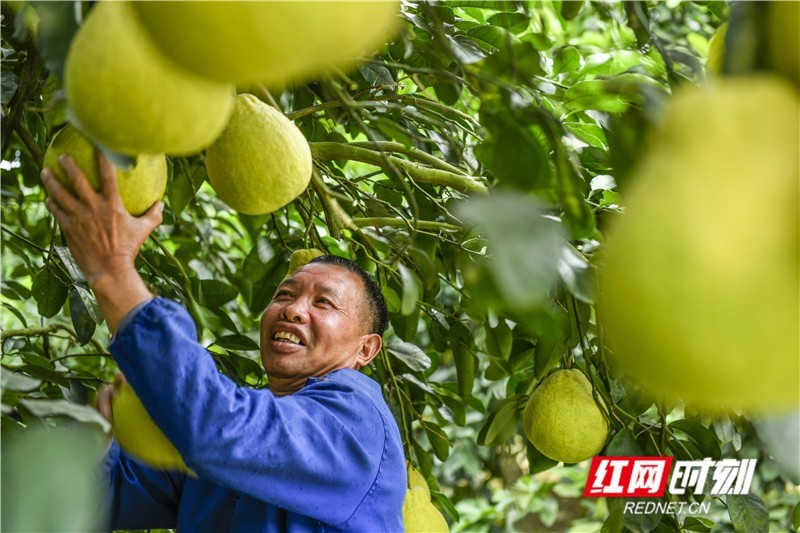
153 217
61 198
108 176
82 188
104 397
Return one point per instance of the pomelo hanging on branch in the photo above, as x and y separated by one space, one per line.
129 97
302 257
261 161
420 515
140 186
562 419
269 42
699 291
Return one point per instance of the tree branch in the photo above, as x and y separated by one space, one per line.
410 151
328 151
383 222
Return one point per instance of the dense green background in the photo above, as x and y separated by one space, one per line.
547 105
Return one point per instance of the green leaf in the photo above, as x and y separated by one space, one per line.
692 523
592 95
72 267
613 523
411 290
439 440
499 340
577 274
796 516
57 26
411 354
215 293
82 319
748 513
465 369
524 246
622 444
704 438
236 342
566 59
81 413
546 354
537 461
516 157
17 382
501 424
49 292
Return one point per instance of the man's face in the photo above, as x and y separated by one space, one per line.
315 323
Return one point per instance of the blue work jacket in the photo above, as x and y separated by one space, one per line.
326 458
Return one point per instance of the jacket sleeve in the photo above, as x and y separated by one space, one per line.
315 452
140 497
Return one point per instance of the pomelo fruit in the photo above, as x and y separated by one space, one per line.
415 479
138 434
269 42
129 97
562 419
261 161
302 257
420 515
140 186
699 290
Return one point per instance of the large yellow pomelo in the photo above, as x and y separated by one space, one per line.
270 42
261 161
562 420
420 515
140 186
129 97
699 291
138 434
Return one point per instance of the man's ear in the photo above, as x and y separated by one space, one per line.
370 346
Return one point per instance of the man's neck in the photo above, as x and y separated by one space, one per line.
283 386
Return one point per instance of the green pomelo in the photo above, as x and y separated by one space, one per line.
261 161
562 419
140 186
302 257
269 42
138 434
129 97
419 514
699 291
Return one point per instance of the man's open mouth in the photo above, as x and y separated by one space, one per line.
285 336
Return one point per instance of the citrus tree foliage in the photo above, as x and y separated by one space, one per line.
472 167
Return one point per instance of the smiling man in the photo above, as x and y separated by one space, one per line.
318 451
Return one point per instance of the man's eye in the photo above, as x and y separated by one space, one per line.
324 301
280 294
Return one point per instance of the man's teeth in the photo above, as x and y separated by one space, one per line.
285 336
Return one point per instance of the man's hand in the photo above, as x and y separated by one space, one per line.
103 237
105 397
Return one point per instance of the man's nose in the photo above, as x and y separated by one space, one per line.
294 312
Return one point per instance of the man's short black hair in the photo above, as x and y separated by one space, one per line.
379 316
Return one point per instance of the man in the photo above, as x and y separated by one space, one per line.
319 451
